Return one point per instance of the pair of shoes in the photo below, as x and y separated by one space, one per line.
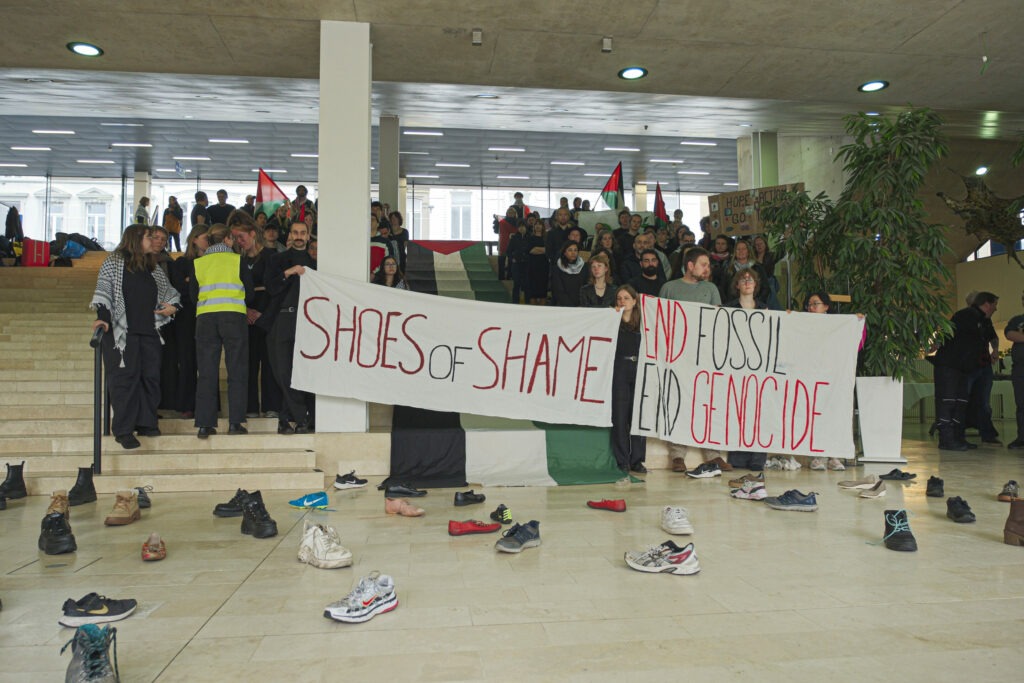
403 491
618 505
126 509
468 498
519 537
311 501
792 464
897 532
471 526
147 431
678 465
502 515
722 464
256 521
84 491
206 432
285 428
236 428
95 609
705 470
402 508
639 469
667 558
154 549
1010 492
676 520
865 483
232 508
1016 444
876 491
348 481
55 536
142 494
793 500
90 654
817 464
321 547
959 511
127 441
373 595
836 465
750 490
898 475
738 482
936 488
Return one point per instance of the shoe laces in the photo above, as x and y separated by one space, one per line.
122 503
366 587
898 523
94 641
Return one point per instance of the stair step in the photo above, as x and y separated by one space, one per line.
72 443
82 426
120 461
251 479
74 398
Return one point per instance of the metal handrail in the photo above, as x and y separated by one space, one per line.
100 404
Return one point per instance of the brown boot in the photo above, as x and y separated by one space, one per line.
722 464
59 503
1013 532
678 465
126 509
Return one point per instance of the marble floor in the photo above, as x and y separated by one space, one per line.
781 596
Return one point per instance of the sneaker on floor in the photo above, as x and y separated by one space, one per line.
232 508
818 464
142 494
836 465
519 537
959 511
876 491
154 548
676 520
126 509
471 526
793 500
348 481
311 501
373 595
90 655
95 609
705 470
502 515
738 483
617 505
321 547
898 535
667 558
1010 492
774 464
865 483
936 488
792 464
751 490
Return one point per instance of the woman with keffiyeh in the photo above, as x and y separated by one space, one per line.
133 299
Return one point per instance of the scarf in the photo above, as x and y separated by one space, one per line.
573 268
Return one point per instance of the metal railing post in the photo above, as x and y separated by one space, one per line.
98 403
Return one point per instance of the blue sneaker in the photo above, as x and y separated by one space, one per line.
315 501
793 500
518 537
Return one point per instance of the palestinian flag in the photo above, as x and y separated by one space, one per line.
613 193
660 214
452 268
268 195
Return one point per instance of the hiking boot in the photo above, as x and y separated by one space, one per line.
1013 531
667 558
373 595
55 537
142 494
519 537
897 532
348 481
256 520
936 488
678 465
90 655
1010 492
676 520
959 511
13 487
95 609
722 464
321 547
705 470
793 500
126 509
232 508
83 491
154 548
738 483
502 515
618 505
59 503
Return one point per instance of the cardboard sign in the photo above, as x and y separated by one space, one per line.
739 213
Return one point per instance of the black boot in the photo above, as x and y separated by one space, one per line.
948 440
897 532
935 488
83 491
255 518
13 486
55 537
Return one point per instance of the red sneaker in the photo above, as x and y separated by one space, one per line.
470 526
618 505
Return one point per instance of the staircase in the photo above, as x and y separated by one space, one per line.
46 371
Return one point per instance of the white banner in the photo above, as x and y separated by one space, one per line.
375 343
746 380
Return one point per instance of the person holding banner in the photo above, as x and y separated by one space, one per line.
598 292
744 284
821 302
630 451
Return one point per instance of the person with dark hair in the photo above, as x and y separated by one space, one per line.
390 274
219 212
979 385
742 259
300 207
627 231
556 236
686 240
706 241
567 275
604 243
142 216
598 292
538 268
181 275
630 451
200 216
12 227
378 211
400 235
133 299
382 236
505 227
250 205
172 222
518 254
650 280
743 288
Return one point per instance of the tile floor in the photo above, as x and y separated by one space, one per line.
782 596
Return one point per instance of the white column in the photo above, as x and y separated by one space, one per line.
344 180
639 197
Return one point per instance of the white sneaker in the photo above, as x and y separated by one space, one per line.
751 490
667 558
675 520
836 465
818 464
792 464
775 463
321 547
373 595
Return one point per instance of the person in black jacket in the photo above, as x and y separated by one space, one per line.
599 292
518 253
630 451
567 275
181 274
650 279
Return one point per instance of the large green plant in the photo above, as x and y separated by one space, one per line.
874 242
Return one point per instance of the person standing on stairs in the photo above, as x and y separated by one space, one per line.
133 299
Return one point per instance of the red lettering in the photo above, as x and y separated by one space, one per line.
732 401
327 336
412 341
338 329
387 328
711 406
693 406
587 370
760 399
797 388
579 365
677 312
376 339
543 358
815 413
504 369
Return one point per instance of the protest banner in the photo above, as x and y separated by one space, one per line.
736 214
374 343
746 380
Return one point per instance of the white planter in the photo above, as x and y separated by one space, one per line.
880 404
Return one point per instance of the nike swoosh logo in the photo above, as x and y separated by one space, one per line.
102 610
310 501
367 603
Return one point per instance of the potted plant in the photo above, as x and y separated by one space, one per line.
875 244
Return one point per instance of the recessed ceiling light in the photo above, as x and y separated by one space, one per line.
94 161
981 170
668 161
430 133
228 141
693 172
512 177
188 116
506 149
6 165
746 125
165 170
130 144
191 158
85 49
699 144
421 175
873 86
447 165
124 125
417 153
622 149
568 163
486 96
31 149
632 73
305 156
596 175
269 170
871 113
53 132
731 184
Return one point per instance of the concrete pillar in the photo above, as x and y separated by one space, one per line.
401 205
764 154
387 160
141 187
639 197
344 180
812 161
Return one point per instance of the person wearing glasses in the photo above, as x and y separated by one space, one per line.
820 302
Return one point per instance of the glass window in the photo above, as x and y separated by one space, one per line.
462 215
96 223
56 220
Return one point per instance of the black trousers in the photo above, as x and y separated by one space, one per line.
262 384
950 397
215 331
296 405
1018 397
629 450
135 388
185 332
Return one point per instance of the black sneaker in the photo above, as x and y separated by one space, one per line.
143 496
232 508
469 498
348 481
55 537
95 609
148 431
959 511
705 470
935 488
502 515
90 654
256 520
237 429
897 532
127 441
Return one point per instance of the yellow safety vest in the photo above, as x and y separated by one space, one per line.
220 286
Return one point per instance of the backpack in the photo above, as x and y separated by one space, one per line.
72 250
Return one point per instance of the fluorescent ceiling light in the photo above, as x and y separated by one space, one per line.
421 175
513 177
5 165
229 141
699 144
622 149
568 163
486 96
191 158
668 161
417 153
447 165
431 133
85 49
31 149
53 132
596 175
131 144
270 170
731 184
871 113
873 86
165 170
125 125
693 172
95 161
506 149
306 156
